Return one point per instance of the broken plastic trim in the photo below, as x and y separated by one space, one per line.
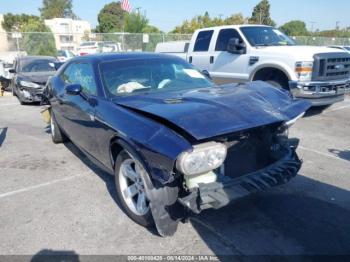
216 195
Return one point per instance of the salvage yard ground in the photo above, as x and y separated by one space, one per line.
52 198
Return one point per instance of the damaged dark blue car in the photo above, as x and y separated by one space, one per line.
175 142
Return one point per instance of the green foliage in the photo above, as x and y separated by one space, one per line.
295 28
202 21
261 14
150 29
111 18
14 22
40 43
57 8
135 23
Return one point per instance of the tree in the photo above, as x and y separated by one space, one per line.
261 14
14 22
295 28
111 18
135 23
202 21
57 8
40 43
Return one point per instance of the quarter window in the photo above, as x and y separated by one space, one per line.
81 73
224 37
203 41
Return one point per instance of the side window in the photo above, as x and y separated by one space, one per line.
81 73
203 41
224 37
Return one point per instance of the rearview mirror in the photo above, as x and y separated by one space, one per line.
12 71
236 46
73 89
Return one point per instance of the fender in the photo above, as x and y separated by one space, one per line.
165 212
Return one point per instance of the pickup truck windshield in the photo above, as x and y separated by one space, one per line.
135 76
265 36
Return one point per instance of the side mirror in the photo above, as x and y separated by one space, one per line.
12 71
206 74
73 89
235 46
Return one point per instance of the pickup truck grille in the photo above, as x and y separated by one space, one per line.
331 66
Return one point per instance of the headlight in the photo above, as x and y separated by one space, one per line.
29 84
303 70
203 158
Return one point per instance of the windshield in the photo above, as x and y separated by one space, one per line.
265 36
128 77
40 65
88 44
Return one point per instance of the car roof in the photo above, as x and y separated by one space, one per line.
232 26
97 58
36 57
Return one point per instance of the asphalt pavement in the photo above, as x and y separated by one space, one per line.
53 199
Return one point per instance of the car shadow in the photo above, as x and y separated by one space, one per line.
315 110
3 132
280 222
55 256
104 175
295 219
343 154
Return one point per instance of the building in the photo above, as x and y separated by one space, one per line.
4 45
68 33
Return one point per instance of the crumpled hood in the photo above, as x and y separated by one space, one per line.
37 77
299 53
210 112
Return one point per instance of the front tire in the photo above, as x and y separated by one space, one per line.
56 133
130 186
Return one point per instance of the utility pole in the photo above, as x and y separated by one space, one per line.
312 26
337 25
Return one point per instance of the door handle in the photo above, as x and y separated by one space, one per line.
212 59
190 59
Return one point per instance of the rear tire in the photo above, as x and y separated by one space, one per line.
130 189
56 133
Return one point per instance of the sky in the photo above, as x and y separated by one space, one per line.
165 14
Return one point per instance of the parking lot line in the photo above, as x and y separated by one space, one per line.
324 154
26 189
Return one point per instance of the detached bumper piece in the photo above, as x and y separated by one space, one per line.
219 194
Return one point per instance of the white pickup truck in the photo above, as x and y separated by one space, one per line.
241 53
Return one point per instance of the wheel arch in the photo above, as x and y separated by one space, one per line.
273 67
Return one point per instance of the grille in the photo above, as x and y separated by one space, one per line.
331 66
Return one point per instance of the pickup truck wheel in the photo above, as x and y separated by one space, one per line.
56 133
130 188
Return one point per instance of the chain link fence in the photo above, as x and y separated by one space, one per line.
321 41
49 43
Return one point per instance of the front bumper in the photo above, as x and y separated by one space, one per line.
31 95
320 93
218 194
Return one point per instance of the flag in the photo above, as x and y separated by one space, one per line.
126 6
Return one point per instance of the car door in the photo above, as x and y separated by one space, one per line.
79 111
198 52
227 67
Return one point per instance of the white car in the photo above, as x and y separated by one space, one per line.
111 47
91 47
64 55
241 53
